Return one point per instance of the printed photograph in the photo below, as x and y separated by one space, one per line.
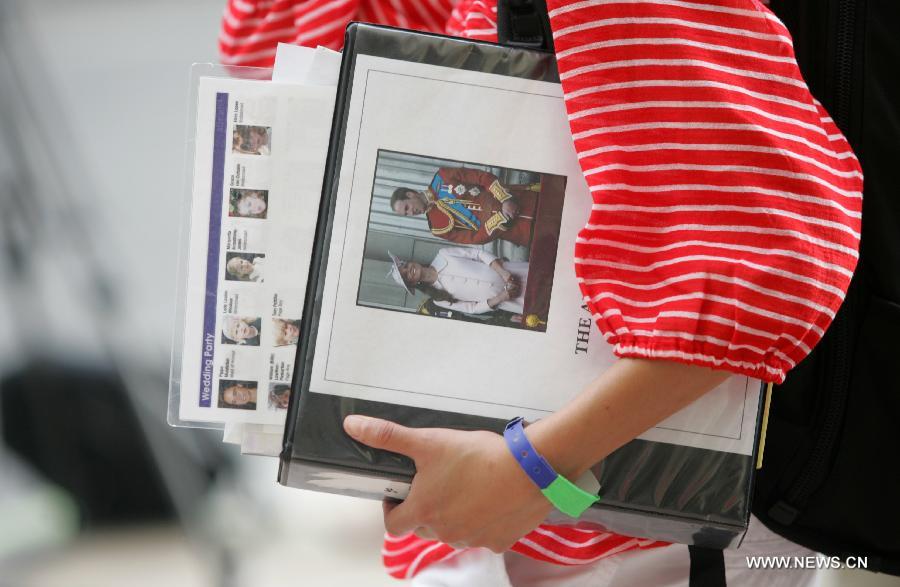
279 396
244 203
461 241
237 395
286 332
237 330
245 267
251 140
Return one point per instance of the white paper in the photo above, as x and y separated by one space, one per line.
292 63
303 65
259 163
326 68
403 358
300 65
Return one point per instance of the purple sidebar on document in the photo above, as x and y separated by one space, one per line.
212 256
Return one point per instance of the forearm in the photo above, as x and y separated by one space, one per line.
497 266
496 300
629 398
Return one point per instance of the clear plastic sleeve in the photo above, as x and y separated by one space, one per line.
177 386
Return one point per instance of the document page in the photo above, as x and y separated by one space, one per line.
450 282
259 162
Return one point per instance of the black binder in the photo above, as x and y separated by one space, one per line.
648 489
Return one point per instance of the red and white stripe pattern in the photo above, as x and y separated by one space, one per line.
252 29
474 19
404 556
727 204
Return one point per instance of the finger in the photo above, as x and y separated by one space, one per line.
383 434
399 519
388 505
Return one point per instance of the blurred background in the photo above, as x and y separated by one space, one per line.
95 488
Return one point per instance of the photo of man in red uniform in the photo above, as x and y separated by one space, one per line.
471 207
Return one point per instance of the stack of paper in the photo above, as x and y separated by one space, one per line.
259 160
431 212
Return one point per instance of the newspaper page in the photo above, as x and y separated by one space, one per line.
298 65
450 282
259 162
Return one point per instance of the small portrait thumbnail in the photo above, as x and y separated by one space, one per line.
279 395
251 140
287 332
237 330
245 267
244 203
237 395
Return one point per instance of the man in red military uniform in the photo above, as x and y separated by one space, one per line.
471 207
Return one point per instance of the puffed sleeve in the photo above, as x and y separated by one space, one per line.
252 29
727 205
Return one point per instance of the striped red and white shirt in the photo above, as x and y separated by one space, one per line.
727 204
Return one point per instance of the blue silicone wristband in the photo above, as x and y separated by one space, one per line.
531 462
562 493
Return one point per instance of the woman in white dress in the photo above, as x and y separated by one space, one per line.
466 280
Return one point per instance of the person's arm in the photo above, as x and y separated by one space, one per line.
725 181
492 261
469 490
628 399
461 236
469 175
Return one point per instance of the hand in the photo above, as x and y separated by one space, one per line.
468 490
513 286
510 209
498 299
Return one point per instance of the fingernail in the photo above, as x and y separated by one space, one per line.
353 425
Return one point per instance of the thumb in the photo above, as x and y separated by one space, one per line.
383 434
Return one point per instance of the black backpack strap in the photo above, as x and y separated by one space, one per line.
524 23
707 567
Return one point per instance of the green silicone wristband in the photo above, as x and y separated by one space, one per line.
568 497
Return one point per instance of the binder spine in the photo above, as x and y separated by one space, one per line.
308 329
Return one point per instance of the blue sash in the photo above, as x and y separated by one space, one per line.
451 203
